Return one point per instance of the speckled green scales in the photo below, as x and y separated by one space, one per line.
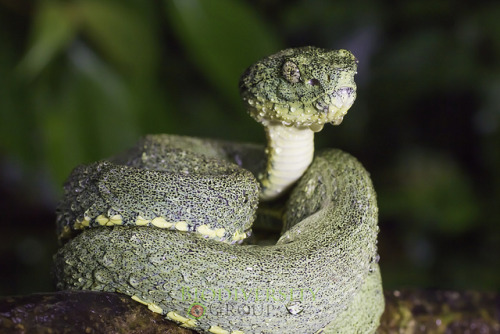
326 257
134 216
313 83
157 183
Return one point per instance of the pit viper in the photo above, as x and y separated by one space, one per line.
163 221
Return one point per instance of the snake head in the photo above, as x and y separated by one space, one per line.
301 87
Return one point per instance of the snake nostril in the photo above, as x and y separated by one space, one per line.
313 82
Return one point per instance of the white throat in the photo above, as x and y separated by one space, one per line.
289 152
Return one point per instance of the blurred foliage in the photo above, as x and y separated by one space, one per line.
81 80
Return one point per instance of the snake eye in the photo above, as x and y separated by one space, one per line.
291 72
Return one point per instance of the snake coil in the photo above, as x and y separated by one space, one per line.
162 222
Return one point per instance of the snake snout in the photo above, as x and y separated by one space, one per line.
339 103
344 97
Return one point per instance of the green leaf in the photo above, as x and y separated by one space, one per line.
124 36
54 27
222 37
88 118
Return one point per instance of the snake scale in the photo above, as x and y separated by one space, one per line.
163 221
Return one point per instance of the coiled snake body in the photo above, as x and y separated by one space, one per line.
166 216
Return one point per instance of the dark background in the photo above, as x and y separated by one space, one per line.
81 80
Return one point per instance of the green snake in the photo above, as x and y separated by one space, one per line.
162 222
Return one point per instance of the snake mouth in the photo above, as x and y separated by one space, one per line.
330 107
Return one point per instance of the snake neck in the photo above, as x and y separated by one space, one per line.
289 152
